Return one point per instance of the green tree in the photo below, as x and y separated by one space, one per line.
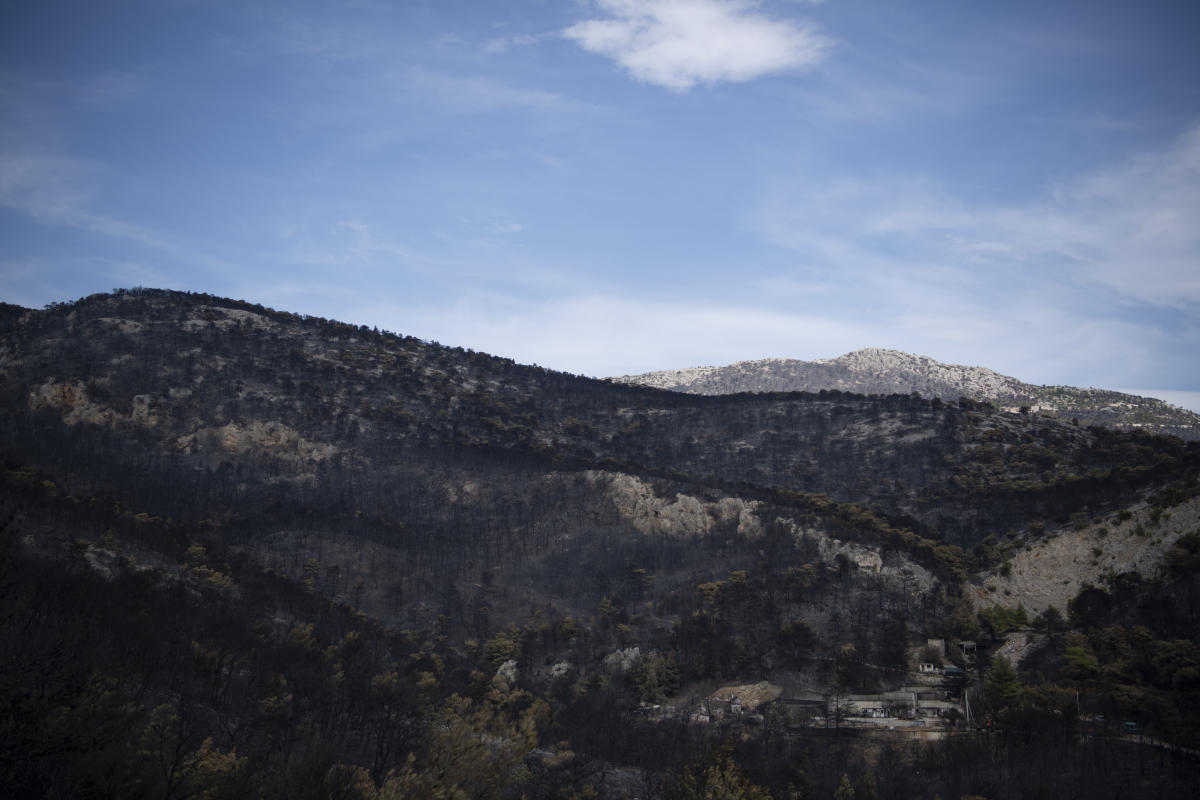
174 770
961 624
656 678
1080 665
312 569
721 779
1001 686
344 782
796 638
502 647
475 751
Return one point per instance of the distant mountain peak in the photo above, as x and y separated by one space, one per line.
878 370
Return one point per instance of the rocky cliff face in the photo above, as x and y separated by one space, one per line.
879 371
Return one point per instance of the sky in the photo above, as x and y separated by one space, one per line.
610 187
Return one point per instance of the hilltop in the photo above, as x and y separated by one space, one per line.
878 371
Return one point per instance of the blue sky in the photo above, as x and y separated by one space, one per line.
615 186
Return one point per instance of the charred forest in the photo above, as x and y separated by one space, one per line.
251 553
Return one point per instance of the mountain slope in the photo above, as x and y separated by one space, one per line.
348 554
203 388
879 371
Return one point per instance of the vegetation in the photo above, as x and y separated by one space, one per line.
248 553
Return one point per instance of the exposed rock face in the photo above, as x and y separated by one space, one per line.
224 318
1052 571
508 671
621 661
684 517
70 398
265 438
257 437
867 559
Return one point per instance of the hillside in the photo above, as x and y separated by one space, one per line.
308 558
883 372
1050 573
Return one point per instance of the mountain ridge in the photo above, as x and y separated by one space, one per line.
875 370
321 545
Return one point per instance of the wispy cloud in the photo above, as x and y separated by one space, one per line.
1129 227
114 89
599 334
678 44
59 190
1092 281
369 72
503 44
339 39
477 94
608 334
46 186
504 227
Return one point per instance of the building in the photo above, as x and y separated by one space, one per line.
905 703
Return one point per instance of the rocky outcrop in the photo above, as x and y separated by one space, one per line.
70 398
619 662
681 517
263 438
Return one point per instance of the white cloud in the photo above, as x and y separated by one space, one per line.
678 44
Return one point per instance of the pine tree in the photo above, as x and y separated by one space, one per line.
1001 687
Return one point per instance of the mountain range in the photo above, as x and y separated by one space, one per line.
875 370
250 552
